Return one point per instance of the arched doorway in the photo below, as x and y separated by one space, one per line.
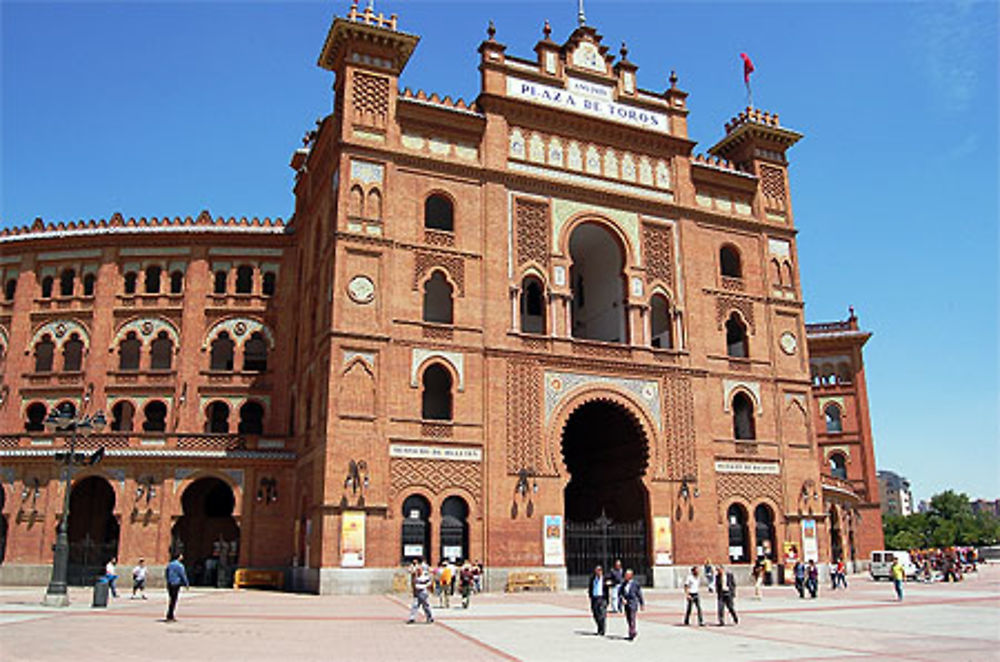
836 536
606 504
739 534
763 518
598 283
93 530
416 529
207 534
454 529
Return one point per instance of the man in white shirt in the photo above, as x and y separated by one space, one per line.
139 579
112 575
691 586
420 582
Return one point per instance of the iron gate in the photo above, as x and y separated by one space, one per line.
87 560
602 541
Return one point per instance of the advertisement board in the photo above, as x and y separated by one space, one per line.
552 540
352 539
663 541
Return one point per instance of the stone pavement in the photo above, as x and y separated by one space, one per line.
952 622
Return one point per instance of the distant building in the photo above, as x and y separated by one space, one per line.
983 505
894 491
923 506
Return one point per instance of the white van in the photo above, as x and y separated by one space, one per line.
882 564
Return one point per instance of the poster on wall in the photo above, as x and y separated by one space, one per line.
663 541
810 545
552 541
352 539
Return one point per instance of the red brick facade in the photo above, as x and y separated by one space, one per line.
537 304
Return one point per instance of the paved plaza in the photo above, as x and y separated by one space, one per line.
936 622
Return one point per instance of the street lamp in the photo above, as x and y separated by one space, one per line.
60 420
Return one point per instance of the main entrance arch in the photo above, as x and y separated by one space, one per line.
207 533
606 504
93 530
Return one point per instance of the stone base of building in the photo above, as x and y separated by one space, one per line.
24 574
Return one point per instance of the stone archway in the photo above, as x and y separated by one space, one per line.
93 529
606 503
207 534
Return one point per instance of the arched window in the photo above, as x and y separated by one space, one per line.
44 352
122 416
532 305
373 208
416 528
89 283
130 282
252 418
128 352
598 281
176 282
47 287
9 288
73 354
743 423
67 409
739 535
729 262
661 330
66 281
843 373
439 213
436 400
834 422
153 277
789 280
454 529
270 283
218 418
222 353
356 202
35 421
763 518
775 272
156 417
838 466
437 299
737 344
219 286
162 352
244 279
255 353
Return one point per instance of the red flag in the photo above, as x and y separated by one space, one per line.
747 68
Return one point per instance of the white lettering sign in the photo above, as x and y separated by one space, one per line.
590 102
732 467
457 453
588 89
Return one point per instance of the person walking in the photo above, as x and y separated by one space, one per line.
597 591
447 576
139 579
691 586
176 577
812 579
800 578
758 579
630 598
420 582
616 576
898 576
725 592
466 580
710 575
111 574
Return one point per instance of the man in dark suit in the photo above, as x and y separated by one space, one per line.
725 591
597 591
630 597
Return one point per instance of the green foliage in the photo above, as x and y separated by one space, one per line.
949 522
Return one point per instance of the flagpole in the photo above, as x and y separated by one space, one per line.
749 94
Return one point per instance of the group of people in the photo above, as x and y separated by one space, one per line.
949 564
618 590
176 577
721 582
807 578
468 577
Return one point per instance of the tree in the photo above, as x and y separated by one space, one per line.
949 522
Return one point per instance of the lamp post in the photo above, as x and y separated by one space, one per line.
56 595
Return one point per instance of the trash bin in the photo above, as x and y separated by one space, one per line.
100 593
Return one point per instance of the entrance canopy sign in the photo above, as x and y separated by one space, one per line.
552 540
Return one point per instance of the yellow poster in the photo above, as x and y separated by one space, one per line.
352 539
663 541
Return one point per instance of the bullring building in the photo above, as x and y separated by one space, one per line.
535 329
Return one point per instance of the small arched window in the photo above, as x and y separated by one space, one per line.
532 305
838 466
154 275
729 262
161 352
244 279
177 282
255 353
737 345
222 353
269 284
436 399
437 299
743 423
356 202
66 281
156 417
128 352
219 286
73 354
373 206
252 418
661 330
834 422
89 283
130 282
122 416
739 534
218 418
789 280
44 353
47 287
9 288
439 213
35 417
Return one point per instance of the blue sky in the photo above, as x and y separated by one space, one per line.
167 109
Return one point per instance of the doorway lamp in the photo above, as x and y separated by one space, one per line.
357 479
145 486
267 492
523 485
82 423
